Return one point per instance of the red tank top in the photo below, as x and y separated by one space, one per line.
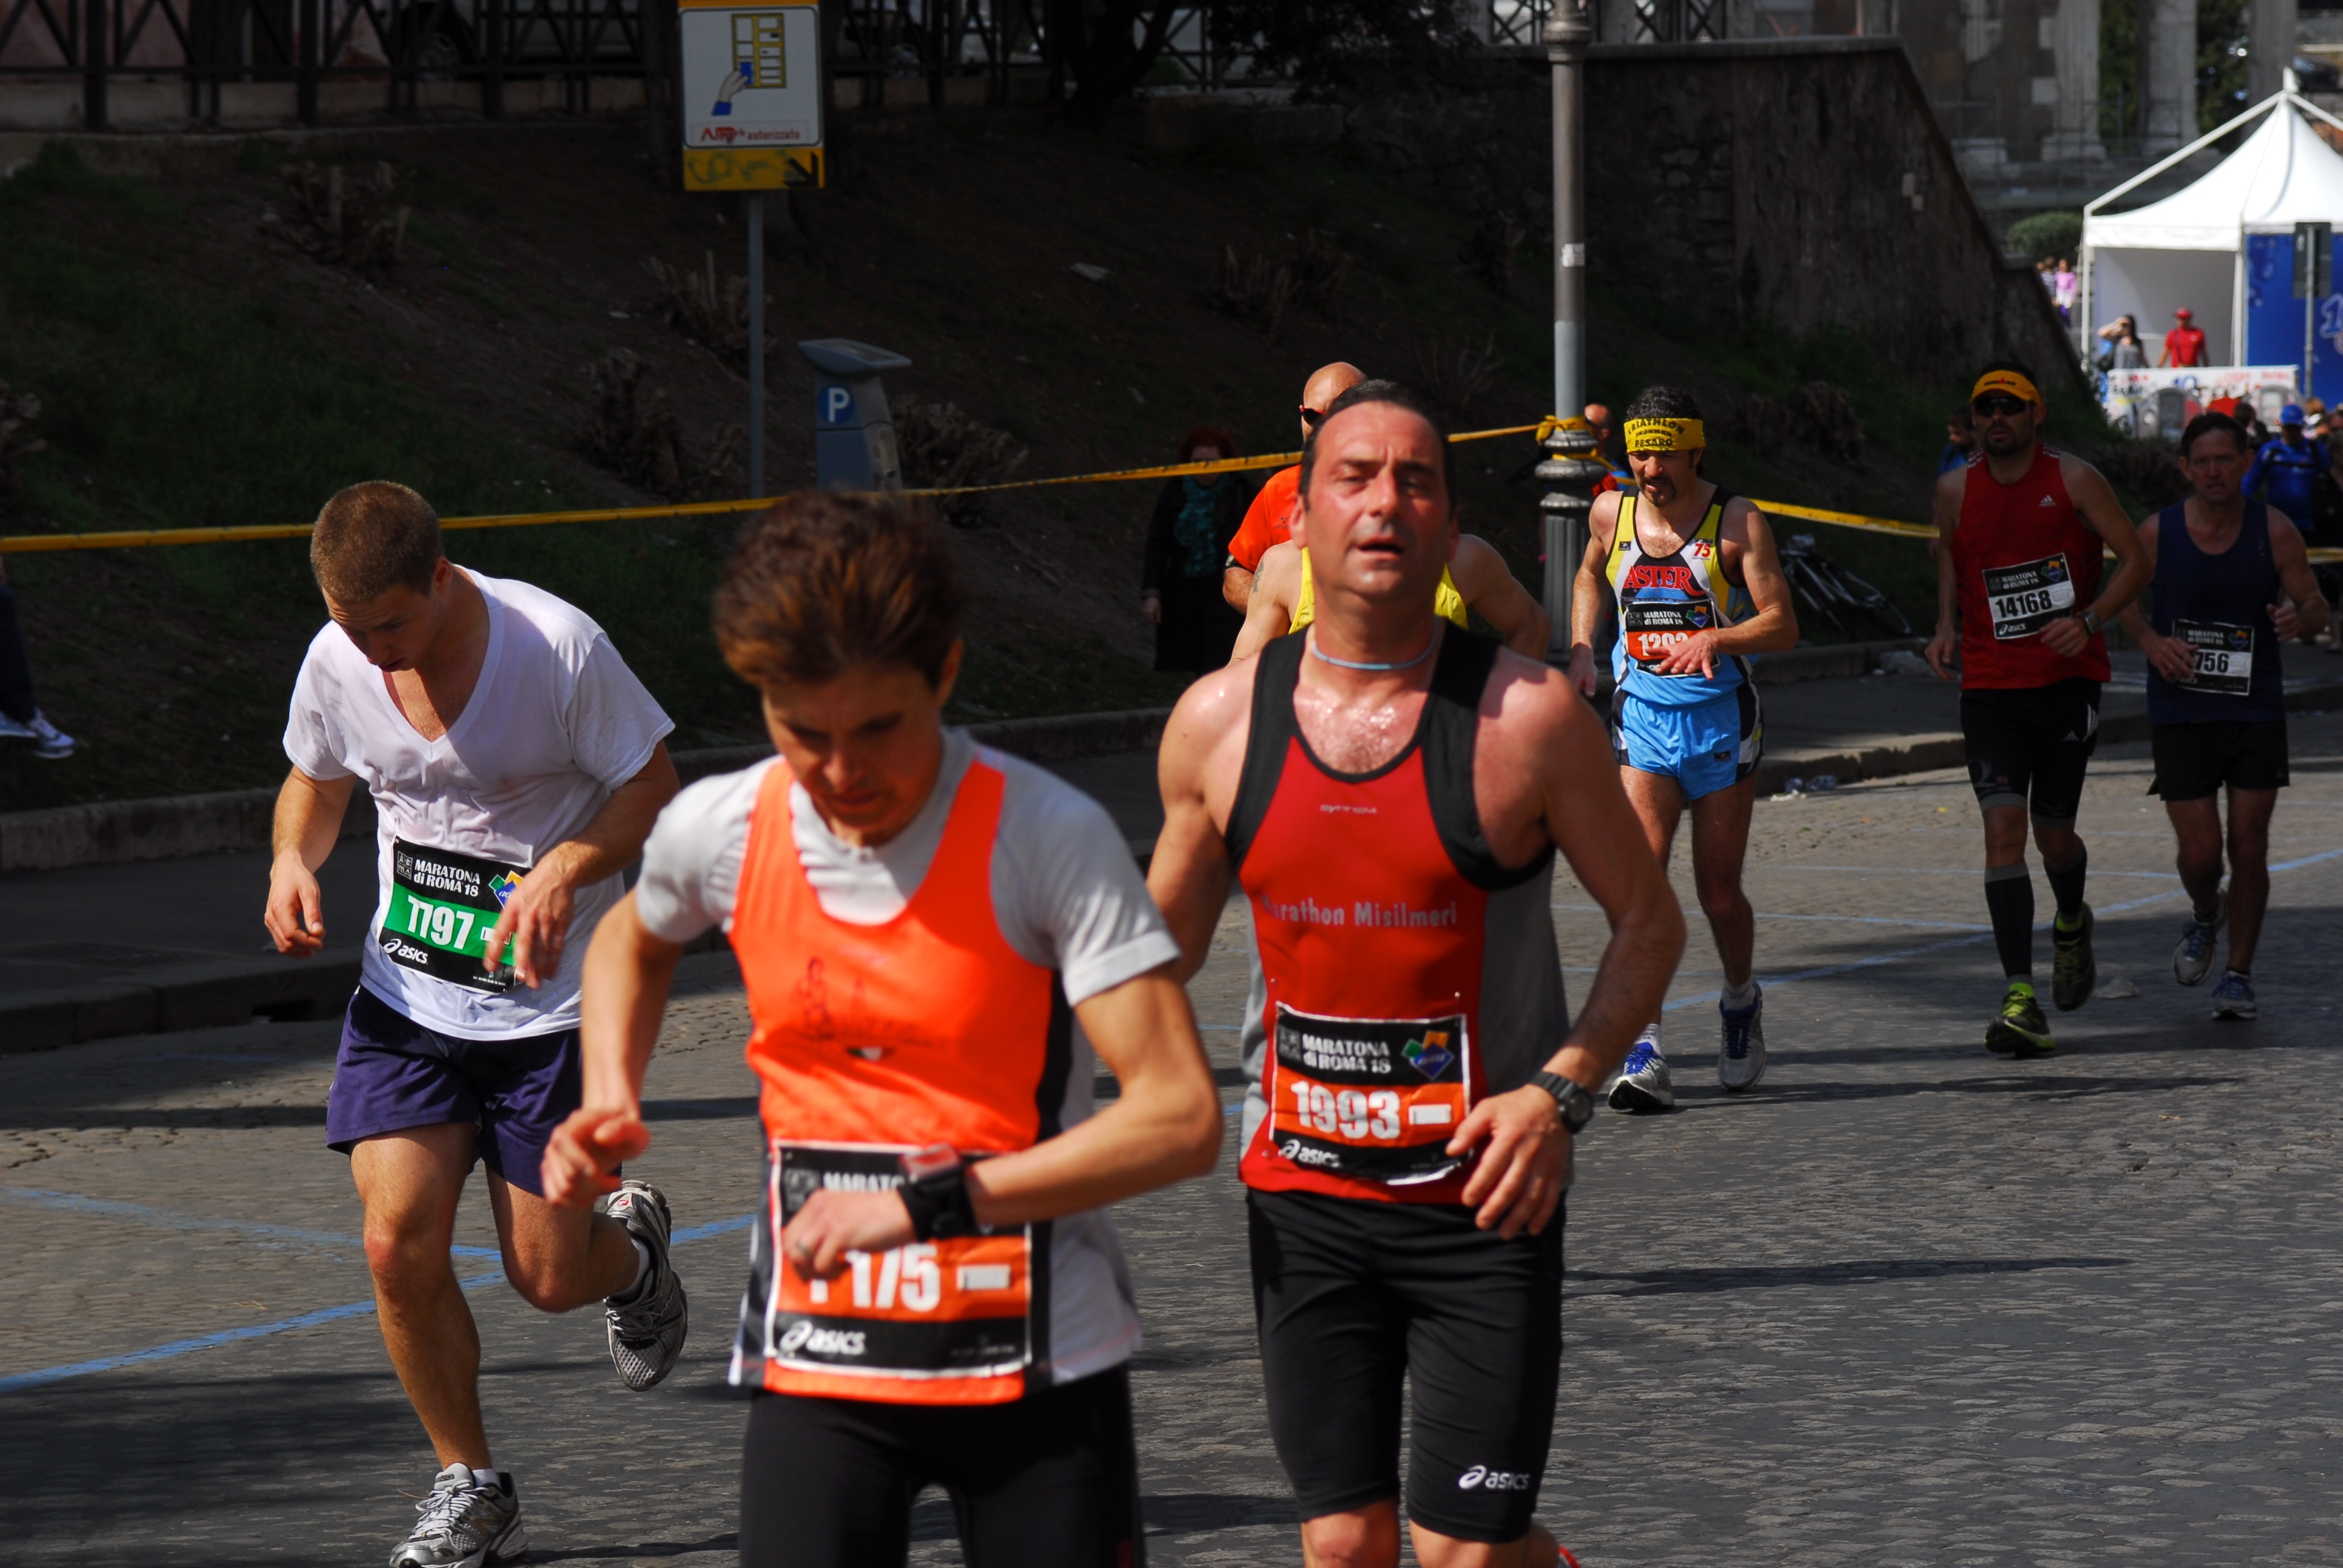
1370 893
2021 559
872 1042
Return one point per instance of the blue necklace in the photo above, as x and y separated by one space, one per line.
1369 666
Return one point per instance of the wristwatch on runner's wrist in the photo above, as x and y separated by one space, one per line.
1571 1099
935 1193
2091 622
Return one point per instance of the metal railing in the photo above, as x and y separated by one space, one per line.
212 47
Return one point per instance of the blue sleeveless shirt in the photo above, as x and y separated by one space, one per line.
2220 605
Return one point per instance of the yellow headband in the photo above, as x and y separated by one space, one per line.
2009 381
1666 435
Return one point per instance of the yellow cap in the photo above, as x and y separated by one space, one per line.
2009 381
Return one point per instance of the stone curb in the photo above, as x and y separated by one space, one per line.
198 994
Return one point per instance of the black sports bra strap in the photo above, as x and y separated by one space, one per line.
1267 740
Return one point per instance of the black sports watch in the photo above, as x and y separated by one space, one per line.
935 1193
1569 1098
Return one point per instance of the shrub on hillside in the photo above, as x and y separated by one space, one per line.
637 437
1818 415
2045 237
344 214
1255 287
1454 376
939 446
17 441
707 309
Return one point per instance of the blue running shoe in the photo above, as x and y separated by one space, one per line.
1741 1060
2192 958
2234 998
1643 1084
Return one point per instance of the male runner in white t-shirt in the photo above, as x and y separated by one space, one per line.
517 765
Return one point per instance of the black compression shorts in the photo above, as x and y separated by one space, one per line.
1351 1296
2028 746
1049 1480
2194 761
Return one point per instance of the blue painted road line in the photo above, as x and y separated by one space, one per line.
284 1325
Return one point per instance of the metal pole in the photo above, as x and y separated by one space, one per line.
755 344
1571 471
92 66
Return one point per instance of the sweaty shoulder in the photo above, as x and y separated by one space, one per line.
1066 889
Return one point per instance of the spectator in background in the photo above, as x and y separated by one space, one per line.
2183 346
20 717
2285 473
2125 350
2067 290
1196 516
1960 440
1598 420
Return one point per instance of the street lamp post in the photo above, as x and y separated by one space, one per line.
1572 467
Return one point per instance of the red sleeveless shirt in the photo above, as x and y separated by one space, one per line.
2022 557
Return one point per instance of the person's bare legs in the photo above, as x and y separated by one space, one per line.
2197 824
1369 1538
410 1182
557 1259
1720 842
2248 840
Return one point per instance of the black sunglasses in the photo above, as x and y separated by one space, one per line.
2001 403
1311 417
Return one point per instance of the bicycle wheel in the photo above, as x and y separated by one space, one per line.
1873 602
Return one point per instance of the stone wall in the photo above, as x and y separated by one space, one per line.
1803 180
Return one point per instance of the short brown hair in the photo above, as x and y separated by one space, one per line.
825 583
374 537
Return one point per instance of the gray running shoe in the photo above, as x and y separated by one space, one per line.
50 744
1643 1084
646 1334
2234 998
465 1524
1741 1062
2192 958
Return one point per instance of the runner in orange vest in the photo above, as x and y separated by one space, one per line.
1276 511
1390 790
934 938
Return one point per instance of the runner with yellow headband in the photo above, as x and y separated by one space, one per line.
2020 602
1690 570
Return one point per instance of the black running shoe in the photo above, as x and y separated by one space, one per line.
2073 972
2021 1030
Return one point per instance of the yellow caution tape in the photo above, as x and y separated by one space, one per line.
1845 519
32 543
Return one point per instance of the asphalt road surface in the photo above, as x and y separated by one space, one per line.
1908 1303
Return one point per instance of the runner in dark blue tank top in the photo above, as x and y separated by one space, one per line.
2232 582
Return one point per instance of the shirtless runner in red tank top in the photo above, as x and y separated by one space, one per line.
1391 791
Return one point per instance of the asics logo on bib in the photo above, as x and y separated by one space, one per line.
1302 1154
1482 1478
821 1341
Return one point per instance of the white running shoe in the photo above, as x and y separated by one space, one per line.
465 1524
2192 958
646 1334
1741 1062
1642 1084
50 744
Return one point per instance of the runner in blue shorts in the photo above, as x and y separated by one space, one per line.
516 766
1690 569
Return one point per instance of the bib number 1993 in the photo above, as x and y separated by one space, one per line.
1373 1098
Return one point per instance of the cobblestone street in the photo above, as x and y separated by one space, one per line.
1907 1304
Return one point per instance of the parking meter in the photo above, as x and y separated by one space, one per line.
854 433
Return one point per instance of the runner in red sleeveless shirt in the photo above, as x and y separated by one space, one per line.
1390 790
2019 604
934 938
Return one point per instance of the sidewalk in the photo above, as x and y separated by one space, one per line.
96 952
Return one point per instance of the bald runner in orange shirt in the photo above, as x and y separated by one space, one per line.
1275 515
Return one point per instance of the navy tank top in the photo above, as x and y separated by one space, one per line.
2220 605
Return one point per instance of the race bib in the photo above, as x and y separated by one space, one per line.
1374 1098
2224 656
2024 599
956 1307
443 906
1653 629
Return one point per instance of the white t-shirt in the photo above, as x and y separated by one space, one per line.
556 722
1067 896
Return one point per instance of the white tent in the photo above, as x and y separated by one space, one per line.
2189 249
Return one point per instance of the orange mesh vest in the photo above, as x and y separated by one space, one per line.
871 1041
